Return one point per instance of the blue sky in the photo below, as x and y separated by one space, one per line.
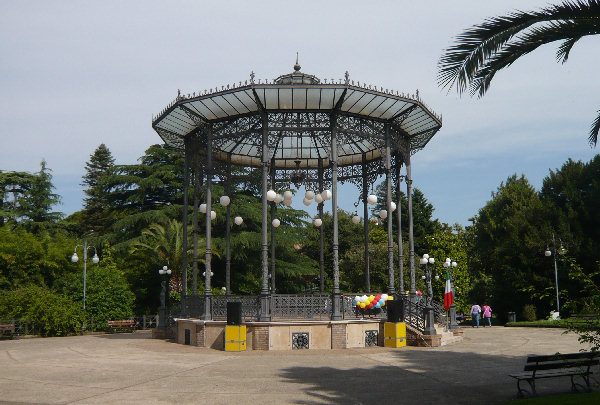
77 74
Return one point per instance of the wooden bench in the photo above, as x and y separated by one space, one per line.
126 325
557 365
8 329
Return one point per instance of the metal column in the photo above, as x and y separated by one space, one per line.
411 242
336 296
264 314
390 236
208 255
365 192
228 230
321 241
400 247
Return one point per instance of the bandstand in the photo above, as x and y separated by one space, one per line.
300 131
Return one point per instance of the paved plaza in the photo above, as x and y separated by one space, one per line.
132 368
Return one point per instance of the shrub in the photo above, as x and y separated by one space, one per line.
49 313
529 312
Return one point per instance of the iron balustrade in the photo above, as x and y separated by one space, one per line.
292 306
250 306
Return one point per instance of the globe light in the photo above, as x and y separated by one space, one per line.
74 258
326 194
423 277
271 195
161 272
278 199
318 198
547 252
431 260
423 260
437 277
372 199
425 256
446 264
95 259
383 214
318 222
309 195
448 260
288 195
454 264
213 215
275 223
238 220
224 201
393 206
287 203
306 202
204 274
203 208
356 219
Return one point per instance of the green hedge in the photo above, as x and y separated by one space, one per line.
49 313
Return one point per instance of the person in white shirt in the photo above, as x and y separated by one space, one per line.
475 310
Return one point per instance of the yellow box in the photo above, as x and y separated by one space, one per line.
235 338
394 334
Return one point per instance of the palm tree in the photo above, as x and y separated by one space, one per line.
482 50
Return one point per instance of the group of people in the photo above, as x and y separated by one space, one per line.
476 310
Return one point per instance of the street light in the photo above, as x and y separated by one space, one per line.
426 260
547 253
164 298
450 265
428 312
75 259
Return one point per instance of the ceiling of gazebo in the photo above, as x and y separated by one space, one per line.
298 107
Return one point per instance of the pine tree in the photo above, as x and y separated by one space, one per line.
98 170
37 203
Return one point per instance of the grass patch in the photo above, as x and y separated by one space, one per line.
591 398
566 323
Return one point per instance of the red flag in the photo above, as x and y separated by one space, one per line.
448 296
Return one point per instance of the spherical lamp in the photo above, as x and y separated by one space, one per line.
287 203
278 199
276 223
238 220
372 199
326 194
306 202
95 259
203 208
224 200
383 214
213 215
356 219
393 204
74 258
318 222
309 195
271 195
318 198
287 195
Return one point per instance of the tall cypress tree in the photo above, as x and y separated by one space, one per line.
98 170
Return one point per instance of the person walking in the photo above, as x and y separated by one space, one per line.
475 310
487 315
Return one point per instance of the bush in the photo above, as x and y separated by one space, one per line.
529 312
49 313
108 296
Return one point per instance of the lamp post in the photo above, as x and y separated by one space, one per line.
164 297
75 259
450 265
548 253
428 311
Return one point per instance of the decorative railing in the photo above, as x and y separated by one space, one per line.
350 311
413 312
250 306
191 306
290 306
439 311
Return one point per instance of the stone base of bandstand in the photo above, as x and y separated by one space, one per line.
279 335
165 333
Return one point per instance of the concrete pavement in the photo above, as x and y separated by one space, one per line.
132 368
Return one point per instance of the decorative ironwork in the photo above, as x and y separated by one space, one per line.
284 306
300 340
413 313
371 338
192 306
250 306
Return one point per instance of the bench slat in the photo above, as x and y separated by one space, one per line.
560 365
560 356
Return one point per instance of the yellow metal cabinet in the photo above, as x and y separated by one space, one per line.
395 334
235 338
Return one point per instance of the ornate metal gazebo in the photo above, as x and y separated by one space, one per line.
304 131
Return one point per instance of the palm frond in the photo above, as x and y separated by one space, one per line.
593 139
460 65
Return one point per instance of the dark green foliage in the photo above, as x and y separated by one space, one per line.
483 50
49 313
528 313
36 205
96 218
108 296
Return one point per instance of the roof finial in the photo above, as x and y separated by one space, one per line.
297 66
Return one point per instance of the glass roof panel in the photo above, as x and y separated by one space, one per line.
372 105
384 107
201 108
313 98
271 99
394 109
361 103
236 103
247 97
352 96
327 98
299 98
285 99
